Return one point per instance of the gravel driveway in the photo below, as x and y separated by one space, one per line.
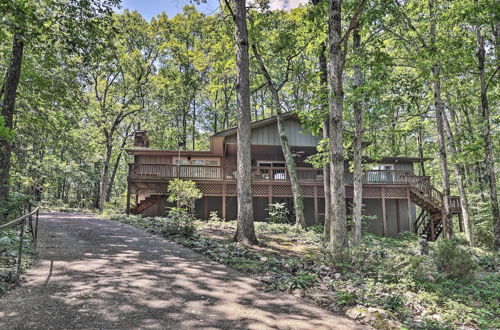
108 275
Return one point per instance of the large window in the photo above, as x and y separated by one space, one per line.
272 169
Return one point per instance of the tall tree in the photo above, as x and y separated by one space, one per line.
439 110
486 132
337 55
358 137
245 231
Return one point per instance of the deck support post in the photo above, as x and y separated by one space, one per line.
224 202
128 198
460 223
398 217
433 234
384 215
410 222
270 195
316 219
205 207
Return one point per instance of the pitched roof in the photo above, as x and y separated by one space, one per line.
258 123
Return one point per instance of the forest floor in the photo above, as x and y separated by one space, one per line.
108 275
384 282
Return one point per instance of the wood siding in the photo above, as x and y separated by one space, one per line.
268 135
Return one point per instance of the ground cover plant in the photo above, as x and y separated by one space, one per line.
9 247
383 282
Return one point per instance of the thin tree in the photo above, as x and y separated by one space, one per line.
358 134
325 127
486 126
298 200
439 110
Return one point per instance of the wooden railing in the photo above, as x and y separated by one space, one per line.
31 220
219 173
304 174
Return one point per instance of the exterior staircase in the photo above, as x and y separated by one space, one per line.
146 203
429 223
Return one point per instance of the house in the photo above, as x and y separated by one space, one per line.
394 197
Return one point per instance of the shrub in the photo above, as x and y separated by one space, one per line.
278 213
214 216
178 222
452 260
184 193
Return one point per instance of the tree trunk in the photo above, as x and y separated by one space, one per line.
438 104
298 200
459 173
358 136
245 231
11 82
488 147
338 231
323 80
420 143
117 164
105 173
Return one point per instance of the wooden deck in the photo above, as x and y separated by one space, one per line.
269 182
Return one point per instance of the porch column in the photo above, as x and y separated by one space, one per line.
398 219
410 222
316 220
384 215
270 195
128 198
205 207
224 202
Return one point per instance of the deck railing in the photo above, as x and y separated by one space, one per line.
277 174
260 173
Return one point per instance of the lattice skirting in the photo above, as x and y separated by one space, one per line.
148 188
214 189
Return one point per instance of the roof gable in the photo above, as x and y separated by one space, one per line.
265 132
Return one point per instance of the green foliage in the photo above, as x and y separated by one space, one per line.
184 193
178 223
5 133
278 213
9 249
454 260
214 217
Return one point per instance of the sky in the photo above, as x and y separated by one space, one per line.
151 8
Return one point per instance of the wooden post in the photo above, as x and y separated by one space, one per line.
398 219
460 224
270 195
36 229
316 219
224 202
19 255
205 206
128 198
433 234
384 215
410 222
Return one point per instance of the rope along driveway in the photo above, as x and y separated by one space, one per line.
111 275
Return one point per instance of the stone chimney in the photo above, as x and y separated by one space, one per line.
141 139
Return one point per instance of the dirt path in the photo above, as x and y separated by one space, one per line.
110 275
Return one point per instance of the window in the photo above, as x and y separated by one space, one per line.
276 170
383 167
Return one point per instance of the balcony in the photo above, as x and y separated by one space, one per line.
260 173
